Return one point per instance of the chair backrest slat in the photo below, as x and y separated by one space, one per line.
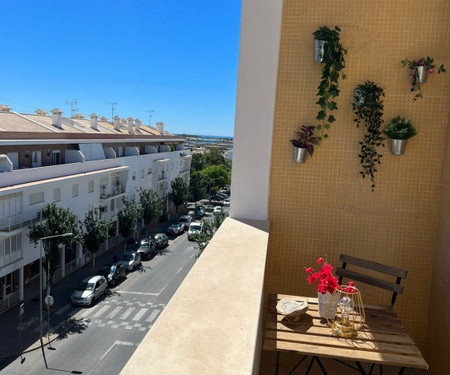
393 287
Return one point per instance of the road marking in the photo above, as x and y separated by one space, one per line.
152 316
88 311
180 270
140 314
101 311
114 312
138 293
62 310
117 342
127 313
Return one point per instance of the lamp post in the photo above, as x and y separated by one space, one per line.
40 286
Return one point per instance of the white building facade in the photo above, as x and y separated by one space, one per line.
78 164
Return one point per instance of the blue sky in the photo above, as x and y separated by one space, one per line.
175 57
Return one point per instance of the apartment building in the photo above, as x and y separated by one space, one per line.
79 163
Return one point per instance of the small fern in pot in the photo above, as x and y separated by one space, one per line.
399 130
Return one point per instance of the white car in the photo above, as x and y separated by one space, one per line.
186 220
218 210
194 228
226 202
88 290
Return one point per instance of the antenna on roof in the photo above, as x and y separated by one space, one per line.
150 116
73 108
112 110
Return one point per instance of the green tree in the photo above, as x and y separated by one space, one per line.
95 231
210 227
127 218
151 205
197 163
216 177
55 221
214 157
179 193
197 187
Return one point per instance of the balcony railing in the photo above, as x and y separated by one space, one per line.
112 192
213 323
9 301
7 224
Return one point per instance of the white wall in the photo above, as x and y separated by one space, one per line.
255 102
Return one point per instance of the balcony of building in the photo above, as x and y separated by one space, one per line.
17 223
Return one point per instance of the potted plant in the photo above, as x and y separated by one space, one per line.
368 109
330 53
399 130
419 70
304 143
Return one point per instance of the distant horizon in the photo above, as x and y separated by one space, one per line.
206 136
174 62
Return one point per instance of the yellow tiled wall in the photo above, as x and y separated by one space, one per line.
323 207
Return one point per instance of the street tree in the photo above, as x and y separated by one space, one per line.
55 221
95 231
179 193
197 163
197 187
210 227
216 177
127 218
151 206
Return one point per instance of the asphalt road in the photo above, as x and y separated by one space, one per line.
100 339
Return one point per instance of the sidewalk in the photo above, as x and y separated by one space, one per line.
9 322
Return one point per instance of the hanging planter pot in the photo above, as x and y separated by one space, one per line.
300 154
397 146
319 50
422 74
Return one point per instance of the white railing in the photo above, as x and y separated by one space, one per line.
71 267
57 276
17 221
10 301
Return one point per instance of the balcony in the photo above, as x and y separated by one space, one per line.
113 192
16 222
212 325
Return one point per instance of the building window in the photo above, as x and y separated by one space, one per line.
56 157
36 198
74 190
10 249
56 194
91 186
134 176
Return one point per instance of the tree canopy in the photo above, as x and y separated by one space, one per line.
151 205
216 177
197 186
128 217
179 193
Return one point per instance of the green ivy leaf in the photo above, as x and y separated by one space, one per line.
325 135
318 127
326 126
321 115
331 118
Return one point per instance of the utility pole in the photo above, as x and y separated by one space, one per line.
150 117
112 110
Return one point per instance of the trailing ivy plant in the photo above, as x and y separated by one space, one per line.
333 62
368 109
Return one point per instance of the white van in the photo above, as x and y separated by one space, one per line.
194 228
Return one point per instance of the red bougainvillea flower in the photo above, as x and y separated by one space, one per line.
431 71
320 260
410 76
411 87
309 269
327 282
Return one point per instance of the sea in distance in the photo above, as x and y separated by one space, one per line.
206 136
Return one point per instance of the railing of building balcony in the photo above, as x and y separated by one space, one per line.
71 267
8 224
113 191
9 301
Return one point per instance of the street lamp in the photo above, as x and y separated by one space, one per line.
40 286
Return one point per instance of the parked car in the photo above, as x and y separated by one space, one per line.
161 240
226 202
186 220
113 272
194 228
131 260
175 229
88 290
218 210
147 248
199 211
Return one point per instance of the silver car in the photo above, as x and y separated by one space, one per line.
131 260
88 290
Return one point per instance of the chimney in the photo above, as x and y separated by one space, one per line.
104 119
4 108
116 122
56 117
130 125
40 112
160 127
137 124
78 116
94 121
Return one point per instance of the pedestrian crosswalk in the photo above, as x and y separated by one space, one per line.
124 314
